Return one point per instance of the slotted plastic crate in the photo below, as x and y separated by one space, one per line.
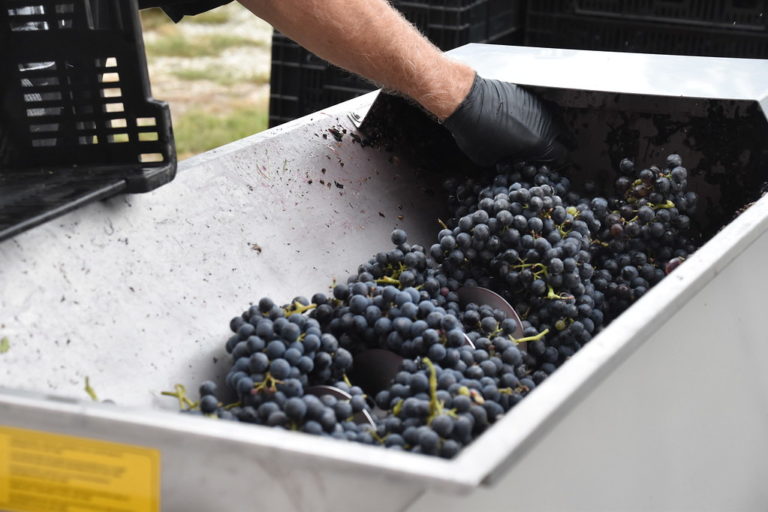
77 122
302 83
449 25
724 28
298 81
730 14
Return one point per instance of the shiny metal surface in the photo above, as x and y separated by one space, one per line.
630 73
137 292
666 409
361 417
146 284
485 297
374 369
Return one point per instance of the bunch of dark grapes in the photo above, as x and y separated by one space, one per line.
567 262
437 411
645 231
440 403
381 306
275 348
465 196
526 243
278 355
319 414
461 368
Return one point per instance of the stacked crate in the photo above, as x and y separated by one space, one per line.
302 83
716 28
77 120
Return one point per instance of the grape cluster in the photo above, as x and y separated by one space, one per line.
396 301
568 262
274 345
279 354
646 231
326 414
437 411
519 237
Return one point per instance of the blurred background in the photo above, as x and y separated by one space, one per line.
227 75
213 69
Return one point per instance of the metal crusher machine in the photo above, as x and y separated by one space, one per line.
664 410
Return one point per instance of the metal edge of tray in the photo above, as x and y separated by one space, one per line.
493 452
108 422
627 73
114 423
357 107
522 427
506 441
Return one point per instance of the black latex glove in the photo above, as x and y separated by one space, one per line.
177 9
499 121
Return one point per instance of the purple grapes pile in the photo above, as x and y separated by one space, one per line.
567 262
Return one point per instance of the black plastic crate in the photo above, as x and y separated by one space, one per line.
599 33
302 83
481 21
77 122
728 14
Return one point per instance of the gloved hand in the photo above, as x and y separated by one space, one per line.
177 9
499 121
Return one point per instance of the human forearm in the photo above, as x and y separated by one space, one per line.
370 38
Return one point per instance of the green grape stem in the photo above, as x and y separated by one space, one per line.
666 205
269 384
181 395
90 390
298 307
523 264
376 437
530 338
436 407
388 280
551 295
510 391
394 276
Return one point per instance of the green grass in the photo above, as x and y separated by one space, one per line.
220 76
197 131
152 19
176 45
214 17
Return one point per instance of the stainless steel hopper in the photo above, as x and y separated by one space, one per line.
666 409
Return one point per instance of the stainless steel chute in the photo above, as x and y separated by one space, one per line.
665 409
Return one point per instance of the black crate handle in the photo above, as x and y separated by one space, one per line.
76 112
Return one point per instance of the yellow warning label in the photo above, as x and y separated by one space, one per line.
42 472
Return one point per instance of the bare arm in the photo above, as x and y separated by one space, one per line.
372 39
